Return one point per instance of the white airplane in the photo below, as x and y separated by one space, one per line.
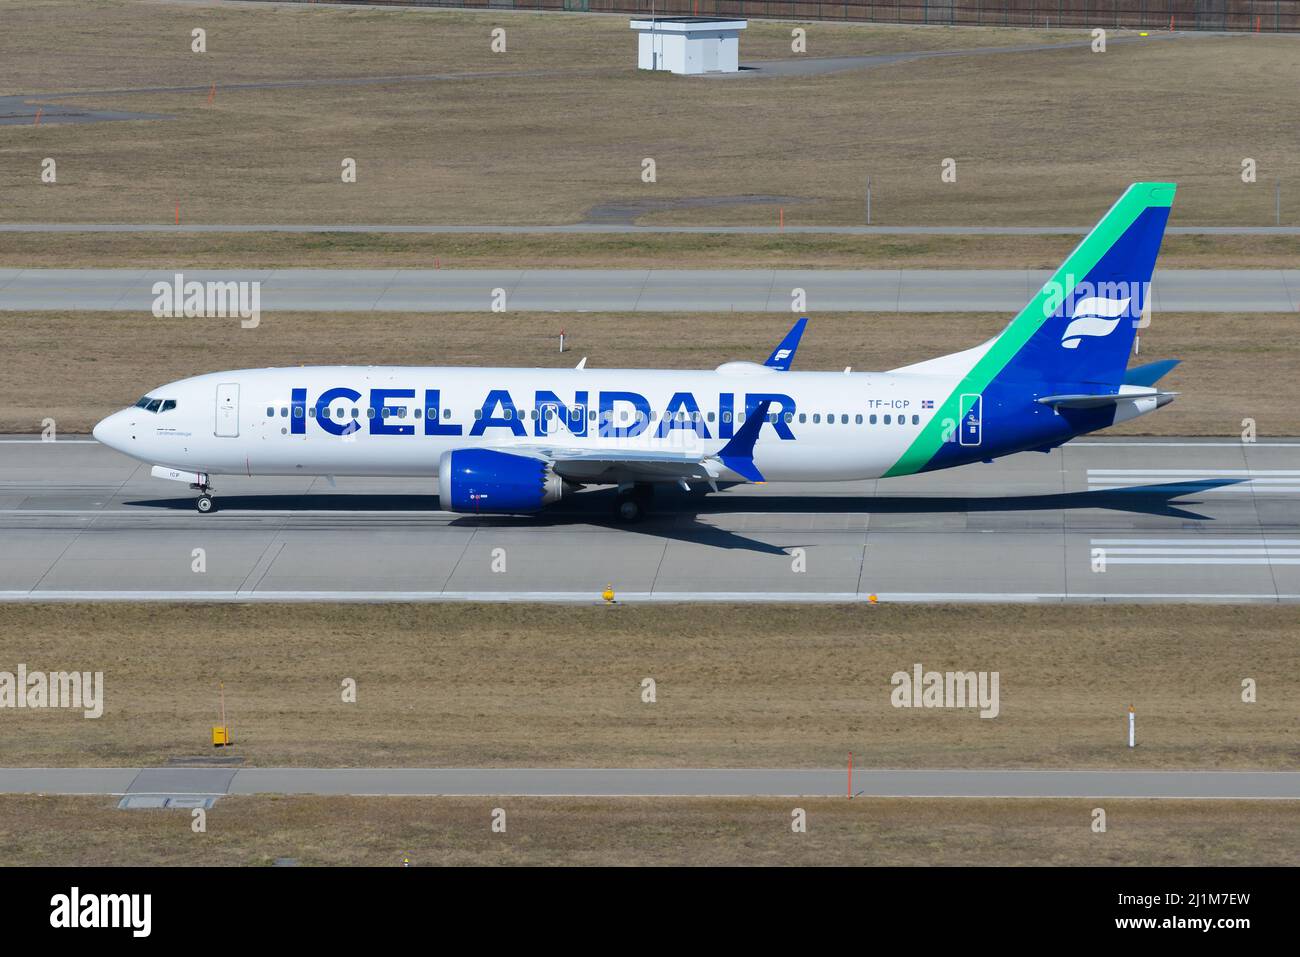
517 440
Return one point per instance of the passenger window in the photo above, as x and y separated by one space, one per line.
284 412
383 411
370 412
446 413
817 418
726 417
356 413
270 412
872 420
478 413
710 416
418 412
844 419
297 412
803 416
916 420
789 416
591 415
857 420
311 411
886 420
433 412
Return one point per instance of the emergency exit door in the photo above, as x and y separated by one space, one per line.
228 410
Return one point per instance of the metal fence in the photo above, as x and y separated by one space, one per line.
1230 15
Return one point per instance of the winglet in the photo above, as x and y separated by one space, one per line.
783 355
738 454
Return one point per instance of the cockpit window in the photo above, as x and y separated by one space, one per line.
150 404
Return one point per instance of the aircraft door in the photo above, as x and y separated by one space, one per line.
228 410
972 416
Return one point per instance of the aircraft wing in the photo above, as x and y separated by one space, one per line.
611 466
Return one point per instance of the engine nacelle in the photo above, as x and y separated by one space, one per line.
485 480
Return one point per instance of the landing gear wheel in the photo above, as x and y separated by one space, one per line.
633 504
205 504
629 510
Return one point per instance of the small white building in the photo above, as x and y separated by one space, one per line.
689 44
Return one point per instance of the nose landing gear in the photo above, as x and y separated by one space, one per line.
204 502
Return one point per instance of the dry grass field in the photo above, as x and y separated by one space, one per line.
1047 137
256 831
77 367
609 251
780 686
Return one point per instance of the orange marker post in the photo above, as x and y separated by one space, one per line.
212 94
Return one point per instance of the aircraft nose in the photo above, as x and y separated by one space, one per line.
111 431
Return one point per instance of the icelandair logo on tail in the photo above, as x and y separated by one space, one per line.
1095 309
1093 316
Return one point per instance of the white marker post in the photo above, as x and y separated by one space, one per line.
1130 725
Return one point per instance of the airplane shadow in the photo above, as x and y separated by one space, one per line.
676 515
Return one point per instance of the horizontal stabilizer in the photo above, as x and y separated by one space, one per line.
1151 373
1089 401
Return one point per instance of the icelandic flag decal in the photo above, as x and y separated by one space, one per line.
927 403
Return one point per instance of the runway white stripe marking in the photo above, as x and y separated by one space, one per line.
1196 541
568 598
1245 488
1214 472
1202 561
1203 551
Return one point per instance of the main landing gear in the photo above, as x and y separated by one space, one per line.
204 502
633 502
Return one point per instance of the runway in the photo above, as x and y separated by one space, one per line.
634 290
614 227
150 787
1098 520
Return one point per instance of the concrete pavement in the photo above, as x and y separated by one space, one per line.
616 227
646 782
635 290
1172 519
